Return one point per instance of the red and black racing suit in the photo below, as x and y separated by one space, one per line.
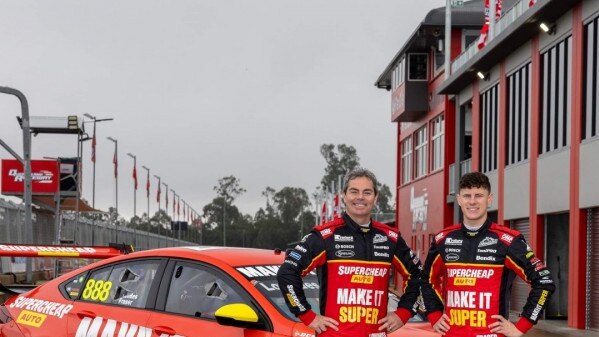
353 270
478 269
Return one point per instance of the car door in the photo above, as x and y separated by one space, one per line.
189 296
113 300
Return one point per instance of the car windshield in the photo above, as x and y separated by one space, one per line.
265 280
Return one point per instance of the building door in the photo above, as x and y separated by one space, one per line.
520 288
593 296
557 234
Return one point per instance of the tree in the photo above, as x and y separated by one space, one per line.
229 189
339 162
385 202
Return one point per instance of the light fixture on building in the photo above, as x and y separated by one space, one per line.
547 28
482 76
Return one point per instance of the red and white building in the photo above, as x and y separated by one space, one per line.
523 109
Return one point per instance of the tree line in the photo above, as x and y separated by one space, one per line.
286 217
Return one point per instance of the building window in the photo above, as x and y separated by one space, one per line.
518 115
488 129
421 152
590 122
437 142
555 97
399 74
406 160
418 67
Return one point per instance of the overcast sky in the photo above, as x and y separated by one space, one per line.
200 90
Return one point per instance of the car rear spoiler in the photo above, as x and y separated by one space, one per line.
16 289
65 251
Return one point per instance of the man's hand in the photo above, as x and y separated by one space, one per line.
505 327
321 323
390 323
442 325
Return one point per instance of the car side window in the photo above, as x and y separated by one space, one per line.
126 284
199 291
73 287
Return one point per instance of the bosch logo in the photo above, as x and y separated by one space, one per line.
344 246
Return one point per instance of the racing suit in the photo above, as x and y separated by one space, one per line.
353 270
478 268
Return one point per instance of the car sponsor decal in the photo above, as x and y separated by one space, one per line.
40 306
255 272
31 318
91 328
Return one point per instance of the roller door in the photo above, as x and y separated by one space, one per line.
593 251
520 288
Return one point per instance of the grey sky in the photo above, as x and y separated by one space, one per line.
204 89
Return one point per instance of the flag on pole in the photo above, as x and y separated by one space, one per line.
148 185
94 148
166 201
531 3
115 161
158 193
484 31
336 210
134 176
323 213
174 203
178 206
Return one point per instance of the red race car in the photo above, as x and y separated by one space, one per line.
168 292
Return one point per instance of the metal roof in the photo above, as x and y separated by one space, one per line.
471 15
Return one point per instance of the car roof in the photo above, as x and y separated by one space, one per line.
232 256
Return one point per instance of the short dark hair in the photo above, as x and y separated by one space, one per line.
357 173
475 180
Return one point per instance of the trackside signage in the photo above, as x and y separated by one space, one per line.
45 178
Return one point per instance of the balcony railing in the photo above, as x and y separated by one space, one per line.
506 19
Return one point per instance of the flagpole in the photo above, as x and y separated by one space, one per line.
447 39
94 154
116 184
134 183
148 197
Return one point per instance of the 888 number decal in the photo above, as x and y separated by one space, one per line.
96 290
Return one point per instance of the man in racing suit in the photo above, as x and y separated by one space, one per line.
477 261
354 255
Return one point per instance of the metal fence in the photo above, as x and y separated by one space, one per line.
84 233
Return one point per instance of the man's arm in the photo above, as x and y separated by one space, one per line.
408 265
300 261
431 288
531 269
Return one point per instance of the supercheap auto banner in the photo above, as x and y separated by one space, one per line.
45 178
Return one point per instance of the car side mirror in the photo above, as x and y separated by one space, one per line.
238 315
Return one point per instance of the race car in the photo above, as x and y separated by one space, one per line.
168 292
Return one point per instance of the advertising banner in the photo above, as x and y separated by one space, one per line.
44 177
